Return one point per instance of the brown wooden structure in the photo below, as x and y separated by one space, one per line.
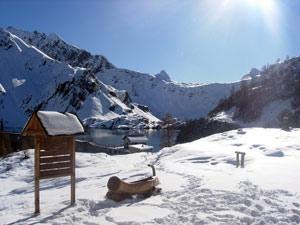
238 158
54 141
120 190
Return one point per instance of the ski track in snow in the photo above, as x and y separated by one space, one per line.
185 198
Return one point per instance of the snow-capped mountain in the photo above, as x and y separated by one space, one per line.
40 71
157 92
31 80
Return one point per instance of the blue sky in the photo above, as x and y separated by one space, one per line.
194 40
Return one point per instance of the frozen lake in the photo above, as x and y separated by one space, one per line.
110 138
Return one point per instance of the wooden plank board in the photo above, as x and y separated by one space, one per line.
61 140
55 176
55 159
56 143
55 152
56 146
55 166
55 173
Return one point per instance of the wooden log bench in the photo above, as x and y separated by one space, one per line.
120 190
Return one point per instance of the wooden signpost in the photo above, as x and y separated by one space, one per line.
242 158
54 140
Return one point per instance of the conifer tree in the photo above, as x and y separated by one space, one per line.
169 131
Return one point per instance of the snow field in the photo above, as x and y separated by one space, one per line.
199 180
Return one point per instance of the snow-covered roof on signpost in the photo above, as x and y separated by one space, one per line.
54 124
136 139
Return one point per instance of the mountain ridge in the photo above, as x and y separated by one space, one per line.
158 92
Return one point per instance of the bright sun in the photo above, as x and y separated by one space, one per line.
265 5
268 8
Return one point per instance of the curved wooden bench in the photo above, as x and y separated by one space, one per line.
117 185
120 190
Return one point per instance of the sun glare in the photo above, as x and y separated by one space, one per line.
265 5
267 8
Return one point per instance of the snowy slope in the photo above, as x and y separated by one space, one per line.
162 95
199 180
58 49
158 92
268 99
31 80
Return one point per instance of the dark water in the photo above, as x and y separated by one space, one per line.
106 137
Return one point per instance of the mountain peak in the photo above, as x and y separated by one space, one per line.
163 76
55 37
251 73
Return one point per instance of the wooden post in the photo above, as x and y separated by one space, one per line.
237 159
37 174
73 172
242 160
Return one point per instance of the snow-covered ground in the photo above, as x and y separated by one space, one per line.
199 180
